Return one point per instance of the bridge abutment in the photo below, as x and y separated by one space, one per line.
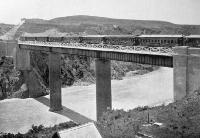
23 59
103 86
55 81
31 87
22 63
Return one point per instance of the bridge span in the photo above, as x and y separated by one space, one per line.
159 56
185 61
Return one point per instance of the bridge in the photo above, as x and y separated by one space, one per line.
183 59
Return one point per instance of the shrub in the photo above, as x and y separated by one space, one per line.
118 124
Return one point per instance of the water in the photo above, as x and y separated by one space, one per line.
149 89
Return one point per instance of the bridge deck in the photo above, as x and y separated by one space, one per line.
165 51
159 56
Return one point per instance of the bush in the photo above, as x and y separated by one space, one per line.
183 116
8 77
118 124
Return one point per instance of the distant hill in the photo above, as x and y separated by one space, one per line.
82 24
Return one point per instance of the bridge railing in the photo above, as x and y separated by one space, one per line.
166 51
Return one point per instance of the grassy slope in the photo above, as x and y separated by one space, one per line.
180 119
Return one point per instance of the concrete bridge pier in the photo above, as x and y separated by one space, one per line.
180 61
186 64
193 81
55 81
103 86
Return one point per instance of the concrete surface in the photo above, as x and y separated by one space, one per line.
88 130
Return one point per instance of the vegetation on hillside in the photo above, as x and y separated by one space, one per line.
10 79
81 70
178 120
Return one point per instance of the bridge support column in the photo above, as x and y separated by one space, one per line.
103 86
193 69
180 66
55 82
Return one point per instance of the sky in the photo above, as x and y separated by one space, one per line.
175 11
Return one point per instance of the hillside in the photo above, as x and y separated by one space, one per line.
5 28
179 119
82 24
